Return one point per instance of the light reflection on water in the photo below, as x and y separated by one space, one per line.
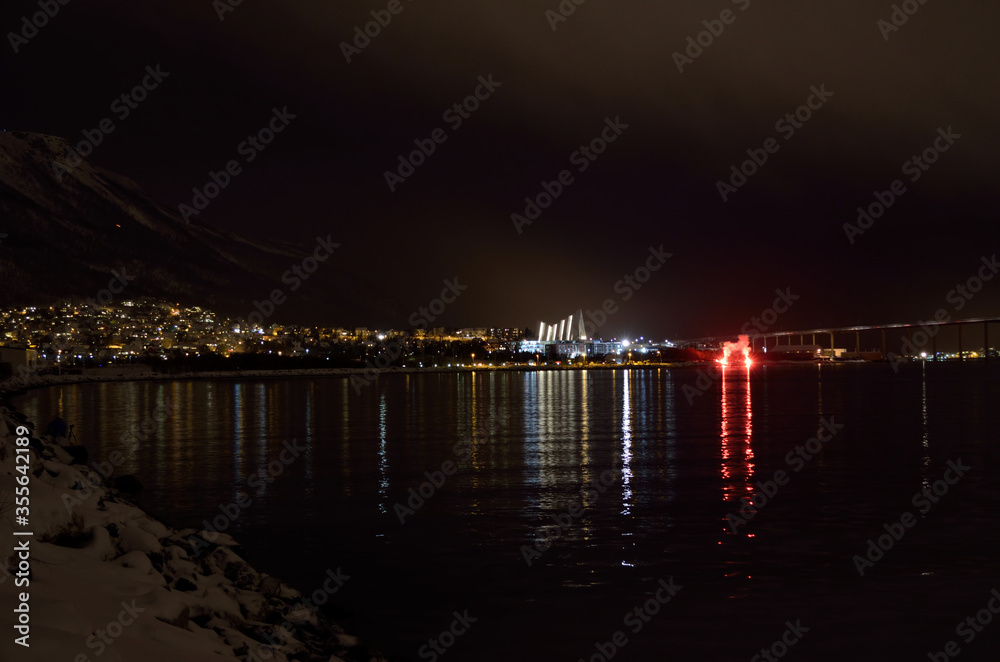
627 468
383 458
736 436
538 439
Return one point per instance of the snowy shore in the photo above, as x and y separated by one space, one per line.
110 583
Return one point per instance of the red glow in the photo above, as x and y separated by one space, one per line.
743 345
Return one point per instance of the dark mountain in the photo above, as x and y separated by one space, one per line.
67 232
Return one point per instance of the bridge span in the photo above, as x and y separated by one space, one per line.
913 339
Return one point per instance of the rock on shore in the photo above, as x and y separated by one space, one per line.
110 583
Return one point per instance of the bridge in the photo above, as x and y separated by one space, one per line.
915 338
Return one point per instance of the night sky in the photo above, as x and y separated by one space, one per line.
886 94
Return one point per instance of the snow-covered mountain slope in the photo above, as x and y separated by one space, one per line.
67 231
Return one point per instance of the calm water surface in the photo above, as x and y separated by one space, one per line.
679 450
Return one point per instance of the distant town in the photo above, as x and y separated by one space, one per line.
155 335
75 335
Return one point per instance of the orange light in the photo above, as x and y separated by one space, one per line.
742 345
726 351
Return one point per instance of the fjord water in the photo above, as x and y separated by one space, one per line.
679 448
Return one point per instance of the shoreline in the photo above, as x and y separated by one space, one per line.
107 576
197 596
13 386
